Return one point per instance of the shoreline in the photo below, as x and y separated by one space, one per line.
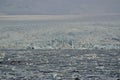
50 17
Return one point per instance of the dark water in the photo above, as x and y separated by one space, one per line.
59 64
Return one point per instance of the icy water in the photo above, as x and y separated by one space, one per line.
78 48
67 64
88 32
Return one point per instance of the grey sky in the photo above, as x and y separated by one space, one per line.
59 6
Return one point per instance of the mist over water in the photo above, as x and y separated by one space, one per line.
58 7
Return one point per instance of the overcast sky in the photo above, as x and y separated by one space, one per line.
26 7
